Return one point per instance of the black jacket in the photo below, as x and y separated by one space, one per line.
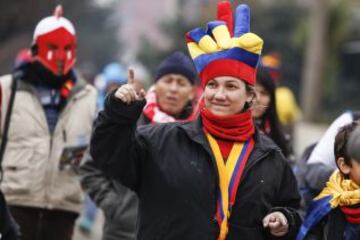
173 170
9 230
334 227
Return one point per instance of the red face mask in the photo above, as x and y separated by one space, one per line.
57 51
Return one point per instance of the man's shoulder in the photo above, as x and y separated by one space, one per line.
5 80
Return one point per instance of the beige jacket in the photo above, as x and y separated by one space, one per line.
32 176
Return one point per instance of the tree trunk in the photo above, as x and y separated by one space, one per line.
311 92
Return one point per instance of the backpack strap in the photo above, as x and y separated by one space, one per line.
4 136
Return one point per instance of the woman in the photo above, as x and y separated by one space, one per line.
177 169
264 111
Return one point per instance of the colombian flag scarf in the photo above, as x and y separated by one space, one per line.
239 129
339 192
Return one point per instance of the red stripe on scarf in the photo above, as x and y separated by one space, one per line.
352 215
246 156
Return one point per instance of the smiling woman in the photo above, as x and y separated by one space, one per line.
216 177
227 96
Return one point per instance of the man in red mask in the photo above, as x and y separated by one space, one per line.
50 126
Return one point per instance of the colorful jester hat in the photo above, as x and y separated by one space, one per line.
224 49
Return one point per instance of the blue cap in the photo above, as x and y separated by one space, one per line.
115 73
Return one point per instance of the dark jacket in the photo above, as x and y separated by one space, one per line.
173 170
334 227
119 204
9 230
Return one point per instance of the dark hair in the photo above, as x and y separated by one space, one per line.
264 79
341 140
249 89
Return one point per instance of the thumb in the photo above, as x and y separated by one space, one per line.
142 94
131 76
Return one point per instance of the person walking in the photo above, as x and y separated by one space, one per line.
216 177
173 91
50 126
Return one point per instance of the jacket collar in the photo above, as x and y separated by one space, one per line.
79 85
194 130
263 146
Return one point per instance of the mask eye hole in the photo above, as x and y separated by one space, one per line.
52 47
67 47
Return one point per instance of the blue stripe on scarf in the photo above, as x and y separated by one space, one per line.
317 211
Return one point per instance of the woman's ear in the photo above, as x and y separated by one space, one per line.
343 167
251 97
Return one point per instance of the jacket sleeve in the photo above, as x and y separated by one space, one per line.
100 188
288 200
115 146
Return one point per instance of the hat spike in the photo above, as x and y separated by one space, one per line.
59 11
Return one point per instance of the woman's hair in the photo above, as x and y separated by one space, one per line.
249 89
270 116
341 141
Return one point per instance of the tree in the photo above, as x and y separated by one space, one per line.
314 61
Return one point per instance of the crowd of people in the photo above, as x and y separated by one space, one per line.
205 153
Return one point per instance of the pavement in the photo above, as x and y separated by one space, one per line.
304 134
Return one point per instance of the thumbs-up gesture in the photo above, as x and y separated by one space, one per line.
127 92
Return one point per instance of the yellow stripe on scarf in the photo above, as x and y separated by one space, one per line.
345 192
225 172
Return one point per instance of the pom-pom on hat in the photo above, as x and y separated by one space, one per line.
177 63
226 48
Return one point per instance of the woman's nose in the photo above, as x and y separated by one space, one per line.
220 93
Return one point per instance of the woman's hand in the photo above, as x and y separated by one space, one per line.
127 92
277 224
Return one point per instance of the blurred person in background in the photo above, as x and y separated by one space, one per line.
187 175
335 212
113 76
22 57
286 105
171 97
265 114
49 130
120 204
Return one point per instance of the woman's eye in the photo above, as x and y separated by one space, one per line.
211 85
231 86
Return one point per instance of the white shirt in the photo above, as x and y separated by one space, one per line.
324 150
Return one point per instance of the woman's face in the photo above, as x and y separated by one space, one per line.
173 92
226 96
263 101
